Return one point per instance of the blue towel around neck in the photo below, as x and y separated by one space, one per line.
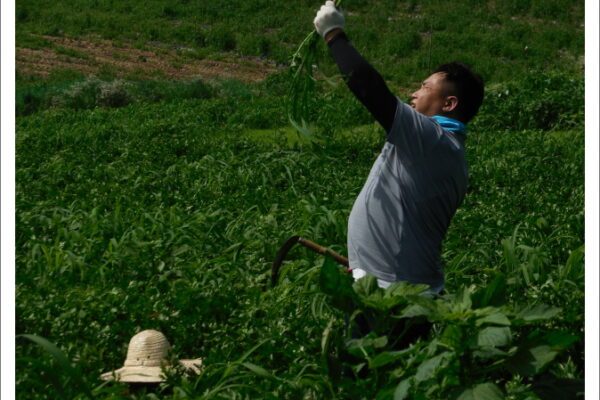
450 124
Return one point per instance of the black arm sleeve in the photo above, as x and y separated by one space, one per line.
364 81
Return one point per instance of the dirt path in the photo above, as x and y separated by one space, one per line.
92 56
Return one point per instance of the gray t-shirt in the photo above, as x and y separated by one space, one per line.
400 217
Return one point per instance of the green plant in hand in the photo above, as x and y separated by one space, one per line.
302 81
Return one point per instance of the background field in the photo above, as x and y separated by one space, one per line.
157 176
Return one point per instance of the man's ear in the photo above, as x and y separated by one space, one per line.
450 104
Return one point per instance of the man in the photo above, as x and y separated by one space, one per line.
400 218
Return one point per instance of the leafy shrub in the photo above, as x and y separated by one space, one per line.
28 102
114 94
539 100
93 92
196 89
80 95
477 343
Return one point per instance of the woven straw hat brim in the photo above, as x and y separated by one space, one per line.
135 374
145 374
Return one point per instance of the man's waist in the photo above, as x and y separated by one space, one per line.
358 273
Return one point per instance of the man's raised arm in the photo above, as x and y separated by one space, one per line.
362 79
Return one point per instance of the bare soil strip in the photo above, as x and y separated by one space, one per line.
91 56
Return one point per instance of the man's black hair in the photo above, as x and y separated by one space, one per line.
468 87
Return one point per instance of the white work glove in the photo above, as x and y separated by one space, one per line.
328 18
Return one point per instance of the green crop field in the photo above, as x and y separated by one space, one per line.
152 195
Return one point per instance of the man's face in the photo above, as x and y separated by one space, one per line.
431 98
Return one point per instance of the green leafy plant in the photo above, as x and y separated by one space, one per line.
61 376
302 87
474 346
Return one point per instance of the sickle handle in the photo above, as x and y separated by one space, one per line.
308 244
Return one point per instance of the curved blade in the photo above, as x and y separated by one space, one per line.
280 256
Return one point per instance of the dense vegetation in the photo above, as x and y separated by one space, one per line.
402 38
160 205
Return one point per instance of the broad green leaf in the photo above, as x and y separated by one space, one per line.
428 368
376 342
538 351
494 336
434 307
377 301
338 284
358 347
63 362
537 312
366 286
531 361
559 339
385 393
402 389
483 391
388 357
305 130
462 299
575 265
404 289
452 336
329 277
486 353
385 358
495 317
415 310
258 370
543 355
395 295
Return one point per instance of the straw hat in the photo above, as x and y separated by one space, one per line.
146 355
